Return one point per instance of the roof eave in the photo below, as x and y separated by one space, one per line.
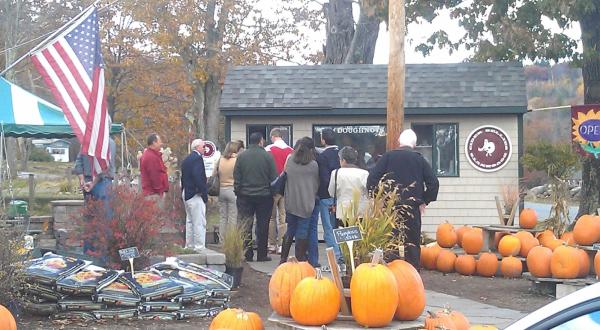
246 112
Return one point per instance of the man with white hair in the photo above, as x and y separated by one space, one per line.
417 186
195 196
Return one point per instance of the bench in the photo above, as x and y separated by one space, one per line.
489 232
558 287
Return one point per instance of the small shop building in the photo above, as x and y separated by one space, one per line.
468 118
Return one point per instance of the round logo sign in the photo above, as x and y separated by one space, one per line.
209 149
488 148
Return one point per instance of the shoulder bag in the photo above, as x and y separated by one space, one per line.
214 183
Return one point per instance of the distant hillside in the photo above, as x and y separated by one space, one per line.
551 86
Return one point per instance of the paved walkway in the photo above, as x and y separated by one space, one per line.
476 312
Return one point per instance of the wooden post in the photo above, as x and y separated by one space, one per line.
396 73
345 310
31 190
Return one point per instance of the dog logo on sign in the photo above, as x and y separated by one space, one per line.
488 148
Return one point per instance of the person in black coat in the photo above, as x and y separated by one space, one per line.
407 167
195 196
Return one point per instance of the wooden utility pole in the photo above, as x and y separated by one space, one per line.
396 73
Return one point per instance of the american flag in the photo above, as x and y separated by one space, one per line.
73 68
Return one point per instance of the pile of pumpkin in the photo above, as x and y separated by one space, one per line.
546 255
379 293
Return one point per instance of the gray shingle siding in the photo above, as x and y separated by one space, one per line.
462 85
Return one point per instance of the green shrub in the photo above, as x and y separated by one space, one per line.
40 155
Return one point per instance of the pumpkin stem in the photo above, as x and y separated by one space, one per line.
377 256
292 259
432 314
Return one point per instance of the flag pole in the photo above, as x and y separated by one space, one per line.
50 37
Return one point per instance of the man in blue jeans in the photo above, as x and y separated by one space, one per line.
328 161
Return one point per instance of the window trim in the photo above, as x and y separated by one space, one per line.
434 149
269 127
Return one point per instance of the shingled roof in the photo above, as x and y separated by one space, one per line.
497 86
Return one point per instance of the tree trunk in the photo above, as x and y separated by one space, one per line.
339 30
211 113
198 105
590 35
362 48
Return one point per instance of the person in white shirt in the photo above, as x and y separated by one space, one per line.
348 181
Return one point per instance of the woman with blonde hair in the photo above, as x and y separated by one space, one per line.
227 199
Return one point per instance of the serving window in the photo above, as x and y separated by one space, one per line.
438 143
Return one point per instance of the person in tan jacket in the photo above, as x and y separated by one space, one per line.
227 199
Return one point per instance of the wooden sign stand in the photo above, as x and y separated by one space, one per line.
337 279
511 217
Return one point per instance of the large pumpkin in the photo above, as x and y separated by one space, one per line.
472 241
487 264
445 235
411 292
564 262
587 230
527 244
7 320
497 237
445 261
465 264
597 264
523 235
315 301
234 319
429 256
460 232
436 321
584 263
284 281
538 261
374 295
509 246
511 267
552 244
528 218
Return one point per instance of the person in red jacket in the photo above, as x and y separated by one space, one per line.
277 225
152 168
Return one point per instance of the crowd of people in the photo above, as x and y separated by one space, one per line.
320 183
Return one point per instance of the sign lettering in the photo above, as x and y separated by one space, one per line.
129 253
348 234
586 129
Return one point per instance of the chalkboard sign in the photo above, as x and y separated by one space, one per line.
596 246
348 234
129 253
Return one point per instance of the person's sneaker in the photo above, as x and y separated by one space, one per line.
267 258
278 250
342 268
325 269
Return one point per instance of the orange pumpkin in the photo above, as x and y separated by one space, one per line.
587 230
568 237
523 235
584 263
528 244
597 264
460 232
459 319
465 264
429 256
472 241
545 235
564 262
511 267
445 235
497 237
234 319
538 261
374 295
552 244
411 292
284 281
487 264
445 261
7 320
509 246
528 218
436 321
315 301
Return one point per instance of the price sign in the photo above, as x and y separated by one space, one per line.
348 234
129 253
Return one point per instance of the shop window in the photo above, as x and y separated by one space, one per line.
438 143
265 130
368 140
